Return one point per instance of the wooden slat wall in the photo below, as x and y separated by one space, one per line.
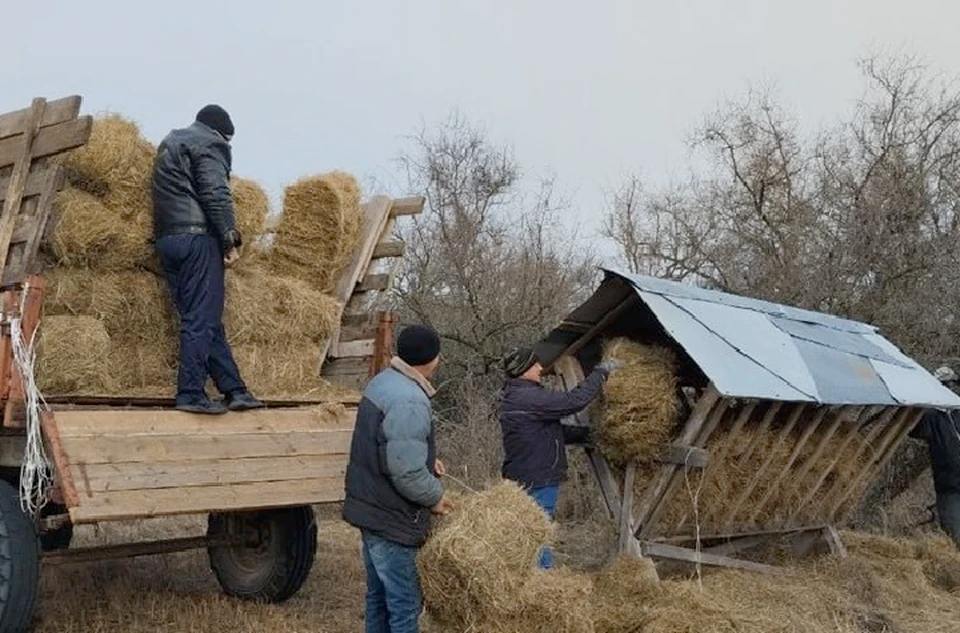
129 463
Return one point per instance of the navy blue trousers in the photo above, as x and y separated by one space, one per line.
194 268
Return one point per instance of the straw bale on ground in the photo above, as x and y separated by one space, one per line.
480 557
319 229
640 409
73 354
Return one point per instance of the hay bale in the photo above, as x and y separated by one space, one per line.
555 601
251 206
319 229
116 165
619 591
640 409
265 308
89 233
479 559
73 356
289 370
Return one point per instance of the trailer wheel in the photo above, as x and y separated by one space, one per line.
19 563
274 554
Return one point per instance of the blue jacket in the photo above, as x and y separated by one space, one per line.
391 484
533 437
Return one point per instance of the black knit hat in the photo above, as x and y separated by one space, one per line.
418 345
216 117
519 360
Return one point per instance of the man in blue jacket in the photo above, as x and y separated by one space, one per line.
392 484
196 236
534 453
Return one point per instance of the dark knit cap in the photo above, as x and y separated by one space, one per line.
418 345
216 117
519 361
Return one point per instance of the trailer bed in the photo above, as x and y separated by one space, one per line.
118 463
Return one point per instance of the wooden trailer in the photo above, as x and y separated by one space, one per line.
828 391
256 474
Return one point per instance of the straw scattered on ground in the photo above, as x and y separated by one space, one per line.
319 229
640 405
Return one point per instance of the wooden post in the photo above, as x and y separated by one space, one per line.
383 342
18 179
666 479
626 509
30 320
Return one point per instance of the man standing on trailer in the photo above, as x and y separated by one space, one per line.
196 237
534 453
941 431
392 483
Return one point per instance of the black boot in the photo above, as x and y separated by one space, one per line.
241 401
204 406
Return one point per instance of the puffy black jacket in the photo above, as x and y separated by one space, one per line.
533 437
191 185
941 430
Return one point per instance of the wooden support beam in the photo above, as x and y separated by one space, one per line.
48 140
62 465
687 456
761 472
738 545
840 452
841 414
629 301
672 552
412 205
23 152
372 283
383 343
57 111
785 469
393 248
355 349
708 410
834 542
626 509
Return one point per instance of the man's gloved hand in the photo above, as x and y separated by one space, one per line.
610 365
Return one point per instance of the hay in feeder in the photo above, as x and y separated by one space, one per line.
319 230
640 410
475 565
89 233
251 207
264 308
73 356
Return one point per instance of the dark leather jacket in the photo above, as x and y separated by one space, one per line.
534 454
191 185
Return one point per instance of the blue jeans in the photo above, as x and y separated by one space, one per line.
194 269
393 586
546 498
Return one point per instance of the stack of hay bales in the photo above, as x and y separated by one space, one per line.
479 569
104 272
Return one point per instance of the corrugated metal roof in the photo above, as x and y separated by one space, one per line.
758 349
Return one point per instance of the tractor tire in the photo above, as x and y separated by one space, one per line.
19 563
274 557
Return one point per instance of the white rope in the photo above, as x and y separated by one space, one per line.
695 503
35 471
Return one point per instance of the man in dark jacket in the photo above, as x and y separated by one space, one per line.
534 453
941 431
392 483
196 237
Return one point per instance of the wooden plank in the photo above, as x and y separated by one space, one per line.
363 319
834 542
34 229
626 509
688 456
133 403
64 477
34 186
358 332
629 301
49 140
884 455
345 367
373 283
57 111
20 151
738 545
412 205
393 248
13 416
672 552
376 214
136 423
353 349
841 414
840 452
709 400
207 472
383 342
735 532
152 448
142 504
785 469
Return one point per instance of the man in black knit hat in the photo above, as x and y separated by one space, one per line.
393 480
196 237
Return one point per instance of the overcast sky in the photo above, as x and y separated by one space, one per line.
588 91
